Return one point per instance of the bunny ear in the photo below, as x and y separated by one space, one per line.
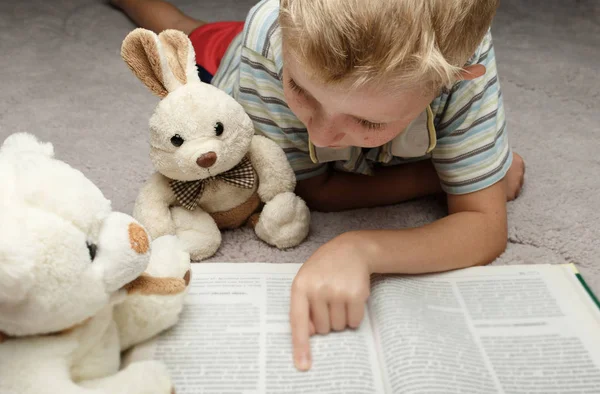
180 55
143 53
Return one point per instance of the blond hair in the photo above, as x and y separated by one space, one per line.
385 41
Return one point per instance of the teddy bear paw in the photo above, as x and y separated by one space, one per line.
168 258
151 376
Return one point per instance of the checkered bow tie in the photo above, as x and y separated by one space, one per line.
189 192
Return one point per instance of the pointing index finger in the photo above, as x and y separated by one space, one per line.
300 325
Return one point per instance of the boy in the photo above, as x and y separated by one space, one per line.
374 102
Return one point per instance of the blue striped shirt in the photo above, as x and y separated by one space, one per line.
463 131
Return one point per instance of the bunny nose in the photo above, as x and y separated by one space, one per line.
207 159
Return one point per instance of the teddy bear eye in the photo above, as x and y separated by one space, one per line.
219 128
92 248
176 140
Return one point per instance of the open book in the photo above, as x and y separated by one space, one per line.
494 329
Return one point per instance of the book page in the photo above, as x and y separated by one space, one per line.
515 329
234 337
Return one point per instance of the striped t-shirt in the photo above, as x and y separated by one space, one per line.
463 130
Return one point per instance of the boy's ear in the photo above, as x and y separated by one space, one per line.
472 72
163 63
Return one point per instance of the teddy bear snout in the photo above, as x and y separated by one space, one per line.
207 159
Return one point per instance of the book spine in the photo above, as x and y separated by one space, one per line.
589 291
585 285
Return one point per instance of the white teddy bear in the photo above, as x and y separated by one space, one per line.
213 173
78 282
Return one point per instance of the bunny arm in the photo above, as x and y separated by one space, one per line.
275 174
152 206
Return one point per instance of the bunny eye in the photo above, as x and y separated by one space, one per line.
176 140
219 128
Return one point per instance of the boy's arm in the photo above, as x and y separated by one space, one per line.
471 158
338 191
474 233
332 286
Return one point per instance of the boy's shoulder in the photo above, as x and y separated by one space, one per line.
256 53
262 33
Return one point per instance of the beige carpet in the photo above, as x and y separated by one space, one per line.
62 79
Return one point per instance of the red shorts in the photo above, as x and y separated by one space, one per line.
210 41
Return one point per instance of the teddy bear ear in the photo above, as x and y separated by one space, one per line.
26 143
163 63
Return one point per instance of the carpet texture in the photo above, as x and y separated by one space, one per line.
63 80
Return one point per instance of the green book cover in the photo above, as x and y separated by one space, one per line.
585 285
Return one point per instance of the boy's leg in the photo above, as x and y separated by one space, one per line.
157 15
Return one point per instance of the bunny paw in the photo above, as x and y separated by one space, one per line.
284 221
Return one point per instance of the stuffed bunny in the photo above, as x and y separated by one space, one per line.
213 173
78 282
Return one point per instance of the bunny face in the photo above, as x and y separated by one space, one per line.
63 254
197 130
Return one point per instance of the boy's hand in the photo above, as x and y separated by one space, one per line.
329 293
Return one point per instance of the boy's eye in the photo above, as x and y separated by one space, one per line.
295 88
370 125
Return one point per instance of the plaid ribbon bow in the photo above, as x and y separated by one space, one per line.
189 192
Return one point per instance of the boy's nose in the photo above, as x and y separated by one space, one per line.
325 138
324 134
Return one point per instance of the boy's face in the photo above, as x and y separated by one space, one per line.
338 116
